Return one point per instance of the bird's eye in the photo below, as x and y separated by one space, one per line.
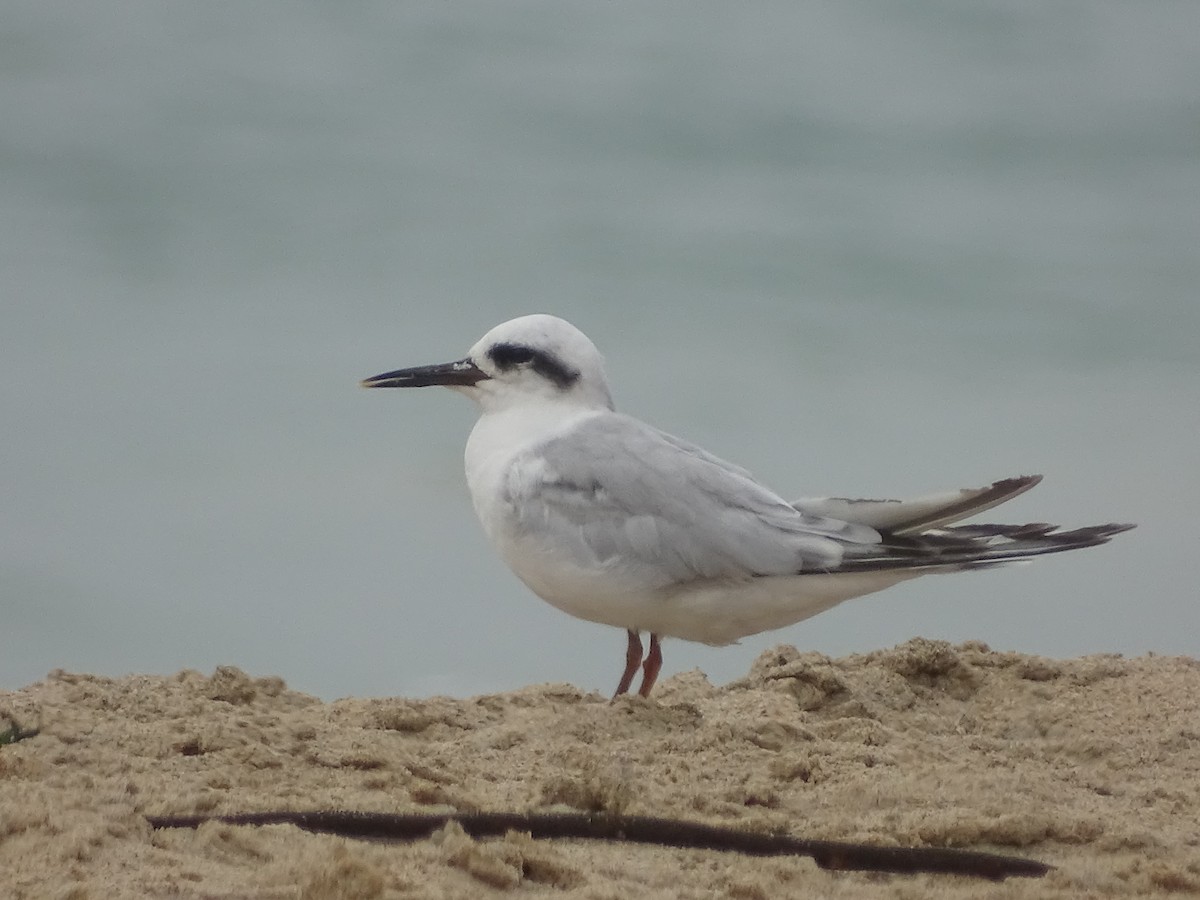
543 362
506 356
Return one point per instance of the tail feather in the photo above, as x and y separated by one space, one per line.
975 546
920 513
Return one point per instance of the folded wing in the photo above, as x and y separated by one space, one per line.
617 493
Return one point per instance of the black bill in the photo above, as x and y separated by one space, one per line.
463 372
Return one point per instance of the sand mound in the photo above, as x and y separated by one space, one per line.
1090 764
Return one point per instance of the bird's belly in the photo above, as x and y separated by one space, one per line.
602 593
715 612
722 613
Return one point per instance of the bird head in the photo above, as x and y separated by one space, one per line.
532 359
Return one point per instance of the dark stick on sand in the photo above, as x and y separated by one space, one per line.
834 855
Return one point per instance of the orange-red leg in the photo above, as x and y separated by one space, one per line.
633 658
651 666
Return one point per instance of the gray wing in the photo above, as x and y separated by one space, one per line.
616 492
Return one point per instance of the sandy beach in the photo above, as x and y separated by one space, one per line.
1089 764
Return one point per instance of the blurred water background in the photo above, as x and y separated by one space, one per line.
857 247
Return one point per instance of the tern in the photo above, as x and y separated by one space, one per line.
613 521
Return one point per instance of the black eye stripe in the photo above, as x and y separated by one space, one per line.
508 355
549 366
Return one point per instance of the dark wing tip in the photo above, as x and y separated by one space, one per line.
1018 484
